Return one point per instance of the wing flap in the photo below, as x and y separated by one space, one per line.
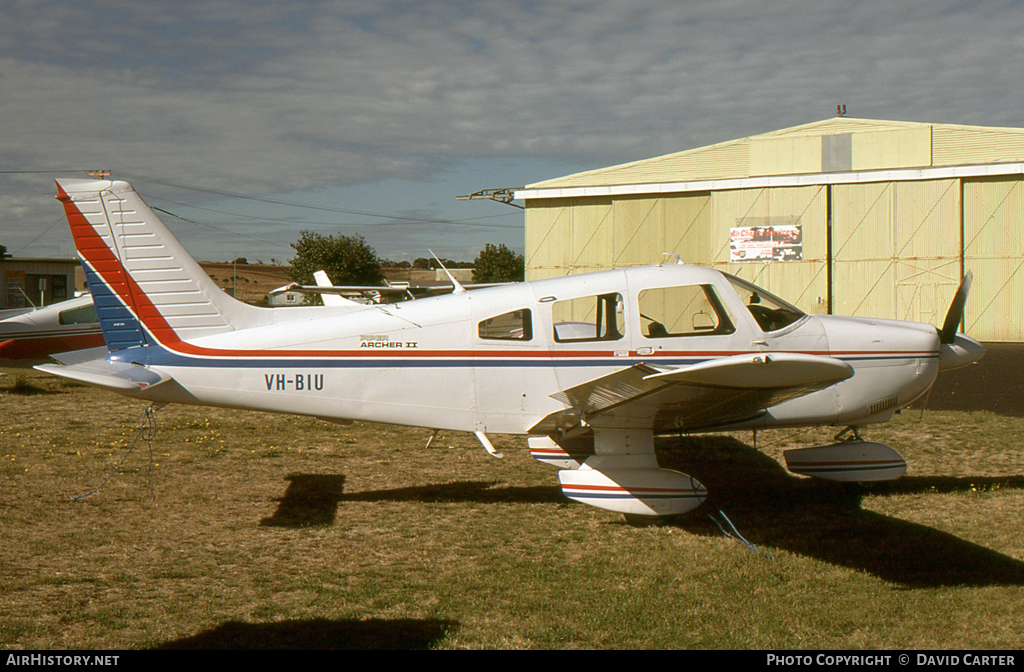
117 376
607 391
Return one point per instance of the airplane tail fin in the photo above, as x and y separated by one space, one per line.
143 282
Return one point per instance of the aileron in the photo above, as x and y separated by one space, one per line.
762 371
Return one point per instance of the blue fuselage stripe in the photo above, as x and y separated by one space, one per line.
160 356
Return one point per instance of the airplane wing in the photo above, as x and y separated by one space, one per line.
118 376
703 396
345 289
329 299
397 289
334 295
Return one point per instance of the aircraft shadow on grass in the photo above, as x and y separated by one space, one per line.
313 499
310 500
23 387
319 634
771 507
825 520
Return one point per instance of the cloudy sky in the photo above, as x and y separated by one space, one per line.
252 120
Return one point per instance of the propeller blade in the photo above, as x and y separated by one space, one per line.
956 310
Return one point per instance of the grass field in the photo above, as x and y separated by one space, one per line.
279 532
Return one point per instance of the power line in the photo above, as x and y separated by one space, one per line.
29 244
395 219
322 208
217 228
277 220
45 172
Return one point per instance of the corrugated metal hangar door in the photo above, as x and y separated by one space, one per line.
896 249
802 282
994 250
548 238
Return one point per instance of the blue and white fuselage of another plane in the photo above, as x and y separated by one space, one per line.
590 367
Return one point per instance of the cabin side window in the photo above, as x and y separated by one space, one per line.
82 315
693 310
513 326
590 318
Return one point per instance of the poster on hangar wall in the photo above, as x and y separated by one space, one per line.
766 243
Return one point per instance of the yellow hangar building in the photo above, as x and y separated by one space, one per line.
844 216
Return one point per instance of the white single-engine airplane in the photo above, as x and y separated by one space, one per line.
60 327
589 367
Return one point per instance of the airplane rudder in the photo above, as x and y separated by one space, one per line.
121 329
143 264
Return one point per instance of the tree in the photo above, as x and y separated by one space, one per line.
348 260
497 263
3 251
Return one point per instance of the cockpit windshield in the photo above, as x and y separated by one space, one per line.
770 312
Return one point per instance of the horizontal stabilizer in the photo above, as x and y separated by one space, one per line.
118 376
79 356
847 462
646 491
761 371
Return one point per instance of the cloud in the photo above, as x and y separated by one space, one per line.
303 93
269 97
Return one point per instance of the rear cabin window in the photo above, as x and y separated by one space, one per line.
692 310
590 318
82 315
514 326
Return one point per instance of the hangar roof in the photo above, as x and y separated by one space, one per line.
833 146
